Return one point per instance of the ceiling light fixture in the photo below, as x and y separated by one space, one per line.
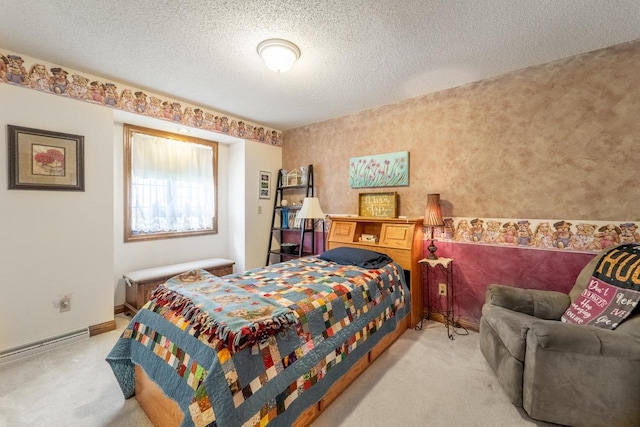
183 130
279 55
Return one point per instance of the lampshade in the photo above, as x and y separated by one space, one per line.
279 55
432 213
311 209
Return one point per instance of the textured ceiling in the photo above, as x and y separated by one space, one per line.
356 54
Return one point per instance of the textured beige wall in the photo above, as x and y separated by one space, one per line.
553 141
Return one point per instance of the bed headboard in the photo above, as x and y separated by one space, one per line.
400 238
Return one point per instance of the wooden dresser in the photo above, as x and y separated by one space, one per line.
400 238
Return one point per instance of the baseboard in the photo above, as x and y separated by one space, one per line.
101 328
55 342
470 326
42 346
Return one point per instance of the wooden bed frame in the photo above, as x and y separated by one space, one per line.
165 412
396 237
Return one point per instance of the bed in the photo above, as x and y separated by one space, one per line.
274 345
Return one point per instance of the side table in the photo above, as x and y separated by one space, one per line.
445 265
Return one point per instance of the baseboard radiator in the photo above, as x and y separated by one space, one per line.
42 346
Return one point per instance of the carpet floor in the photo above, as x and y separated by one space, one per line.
424 379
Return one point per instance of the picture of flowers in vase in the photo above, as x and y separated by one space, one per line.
48 160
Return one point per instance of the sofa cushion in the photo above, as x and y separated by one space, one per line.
508 325
541 304
507 368
571 379
613 290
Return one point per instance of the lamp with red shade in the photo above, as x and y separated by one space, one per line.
433 219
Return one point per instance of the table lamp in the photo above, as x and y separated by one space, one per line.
433 219
311 210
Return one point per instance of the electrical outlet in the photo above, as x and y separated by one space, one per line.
65 304
442 289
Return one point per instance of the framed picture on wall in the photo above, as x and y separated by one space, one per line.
264 185
379 170
45 160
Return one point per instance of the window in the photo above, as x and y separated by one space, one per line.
170 185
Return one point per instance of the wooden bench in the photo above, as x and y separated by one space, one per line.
141 283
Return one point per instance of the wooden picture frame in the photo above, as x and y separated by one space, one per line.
264 185
378 205
45 160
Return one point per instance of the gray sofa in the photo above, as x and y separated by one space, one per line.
561 373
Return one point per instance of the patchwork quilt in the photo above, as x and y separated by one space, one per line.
259 347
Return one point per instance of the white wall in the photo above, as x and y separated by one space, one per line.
250 216
236 208
54 243
153 253
242 233
259 157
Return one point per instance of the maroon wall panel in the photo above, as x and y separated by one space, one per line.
475 266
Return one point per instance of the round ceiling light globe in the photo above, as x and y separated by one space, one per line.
279 55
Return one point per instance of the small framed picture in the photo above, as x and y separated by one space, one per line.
264 185
378 205
45 160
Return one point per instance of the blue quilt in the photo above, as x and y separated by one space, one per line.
340 312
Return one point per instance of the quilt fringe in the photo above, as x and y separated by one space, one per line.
207 324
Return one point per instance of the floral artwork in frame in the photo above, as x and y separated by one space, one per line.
264 190
45 160
380 170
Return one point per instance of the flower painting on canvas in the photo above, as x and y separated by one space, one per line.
380 170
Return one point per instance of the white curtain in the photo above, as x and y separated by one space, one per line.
171 185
